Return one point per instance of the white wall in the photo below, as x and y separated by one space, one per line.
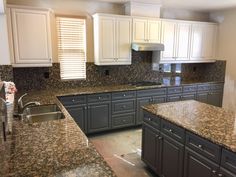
227 51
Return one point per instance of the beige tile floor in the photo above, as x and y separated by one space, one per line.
122 151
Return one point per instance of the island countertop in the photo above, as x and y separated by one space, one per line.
213 123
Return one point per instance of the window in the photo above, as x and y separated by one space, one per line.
71 47
178 68
167 68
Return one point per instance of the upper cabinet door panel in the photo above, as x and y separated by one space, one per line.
183 41
124 32
209 41
168 39
108 38
154 29
139 30
197 42
31 36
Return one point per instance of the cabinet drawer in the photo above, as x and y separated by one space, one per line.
217 86
203 87
123 106
190 88
99 97
189 97
203 146
172 98
228 160
174 90
152 120
123 95
151 92
172 131
72 100
123 120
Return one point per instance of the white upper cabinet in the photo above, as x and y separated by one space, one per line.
146 30
112 39
203 42
176 38
31 37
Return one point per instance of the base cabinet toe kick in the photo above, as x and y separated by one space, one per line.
172 151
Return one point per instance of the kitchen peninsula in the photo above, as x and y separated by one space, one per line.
190 138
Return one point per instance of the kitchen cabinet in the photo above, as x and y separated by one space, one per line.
203 41
176 38
79 114
99 117
196 165
112 39
30 33
215 98
146 30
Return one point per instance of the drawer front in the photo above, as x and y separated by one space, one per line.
152 120
173 131
123 120
203 146
174 90
72 100
217 86
123 95
99 97
123 106
189 97
172 98
151 92
190 88
228 160
203 87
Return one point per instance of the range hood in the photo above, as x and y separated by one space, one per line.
148 46
156 49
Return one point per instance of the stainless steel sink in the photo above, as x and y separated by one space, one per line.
45 117
43 113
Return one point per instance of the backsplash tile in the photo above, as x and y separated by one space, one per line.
6 73
141 69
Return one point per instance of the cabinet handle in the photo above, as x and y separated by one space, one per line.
85 107
213 171
171 131
200 146
160 138
150 119
99 98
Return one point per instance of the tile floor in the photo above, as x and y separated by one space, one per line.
122 151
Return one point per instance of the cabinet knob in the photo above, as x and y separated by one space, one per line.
150 119
73 100
85 107
171 131
124 95
214 171
160 138
200 146
99 98
220 175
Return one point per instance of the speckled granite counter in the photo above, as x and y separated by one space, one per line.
213 123
56 148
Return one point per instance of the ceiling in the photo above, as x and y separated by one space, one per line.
198 5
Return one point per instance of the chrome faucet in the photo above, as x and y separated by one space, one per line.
22 107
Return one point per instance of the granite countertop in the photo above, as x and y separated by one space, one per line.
213 123
57 148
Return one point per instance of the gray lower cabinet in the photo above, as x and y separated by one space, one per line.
198 166
202 97
215 98
79 114
99 117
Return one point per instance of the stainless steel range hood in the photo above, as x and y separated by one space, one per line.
148 46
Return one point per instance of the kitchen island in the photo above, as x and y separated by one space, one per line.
189 139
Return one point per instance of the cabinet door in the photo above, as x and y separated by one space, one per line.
215 98
31 36
189 96
172 157
140 30
168 39
107 39
124 32
79 114
172 98
99 116
209 41
197 42
202 97
141 102
151 148
196 165
225 173
154 29
183 41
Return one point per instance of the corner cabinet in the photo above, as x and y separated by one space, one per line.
112 39
30 36
146 30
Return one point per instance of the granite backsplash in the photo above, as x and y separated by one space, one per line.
6 73
141 69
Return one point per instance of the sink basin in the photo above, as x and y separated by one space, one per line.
43 113
40 109
45 117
